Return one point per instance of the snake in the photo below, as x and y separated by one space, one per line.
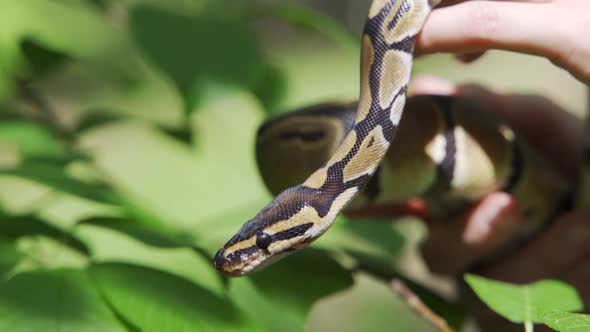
301 214
454 155
449 152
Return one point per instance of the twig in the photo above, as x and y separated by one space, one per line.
419 307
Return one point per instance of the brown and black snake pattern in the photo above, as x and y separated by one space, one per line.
387 46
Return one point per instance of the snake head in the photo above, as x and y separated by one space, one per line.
248 252
243 256
276 231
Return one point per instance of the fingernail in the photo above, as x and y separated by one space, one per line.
495 218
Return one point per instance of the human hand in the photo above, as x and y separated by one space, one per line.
562 251
550 28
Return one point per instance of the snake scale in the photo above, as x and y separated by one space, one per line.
444 153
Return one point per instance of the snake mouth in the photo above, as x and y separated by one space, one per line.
239 265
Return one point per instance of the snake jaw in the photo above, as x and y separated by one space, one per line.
246 263
244 254
237 265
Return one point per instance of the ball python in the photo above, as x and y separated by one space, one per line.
448 153
302 213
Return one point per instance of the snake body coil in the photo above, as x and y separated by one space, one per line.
301 214
448 153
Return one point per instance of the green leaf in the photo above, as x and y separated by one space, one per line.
308 18
373 244
199 51
82 33
35 140
10 255
567 322
32 139
58 300
287 282
46 252
281 297
55 178
97 118
160 302
110 246
525 303
201 183
41 60
14 227
158 235
369 306
271 88
262 308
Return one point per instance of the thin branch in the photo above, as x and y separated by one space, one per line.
419 307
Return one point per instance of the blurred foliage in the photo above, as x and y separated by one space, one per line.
567 321
527 304
126 137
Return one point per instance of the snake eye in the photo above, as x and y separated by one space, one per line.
263 240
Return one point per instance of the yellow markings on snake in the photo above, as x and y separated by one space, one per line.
436 148
305 215
318 178
373 149
395 72
242 244
308 214
385 74
279 246
377 7
408 24
385 28
366 63
412 153
474 171
507 133
397 109
322 225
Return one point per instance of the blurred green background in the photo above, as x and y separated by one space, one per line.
126 161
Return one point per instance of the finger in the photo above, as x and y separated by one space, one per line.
475 26
495 220
456 244
469 57
564 246
552 131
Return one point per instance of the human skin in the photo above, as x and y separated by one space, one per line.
552 29
562 251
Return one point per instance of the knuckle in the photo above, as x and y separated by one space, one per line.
570 49
573 51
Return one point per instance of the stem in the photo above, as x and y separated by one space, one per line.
416 304
529 327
